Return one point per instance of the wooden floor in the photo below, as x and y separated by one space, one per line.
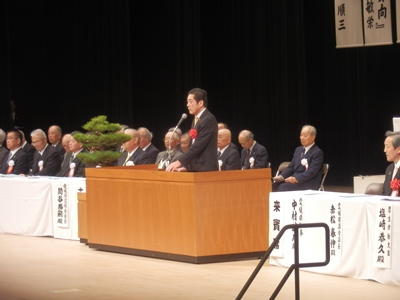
46 268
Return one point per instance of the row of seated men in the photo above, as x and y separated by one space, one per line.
56 155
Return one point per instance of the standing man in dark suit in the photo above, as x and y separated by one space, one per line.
392 152
254 155
201 155
146 145
17 162
72 166
55 134
46 160
304 171
133 154
3 150
228 156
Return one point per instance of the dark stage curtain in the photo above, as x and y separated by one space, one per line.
268 66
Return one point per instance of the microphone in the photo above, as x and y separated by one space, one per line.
184 116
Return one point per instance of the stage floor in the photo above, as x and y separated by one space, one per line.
46 268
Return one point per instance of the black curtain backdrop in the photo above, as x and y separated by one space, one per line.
268 66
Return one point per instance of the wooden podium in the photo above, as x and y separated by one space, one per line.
191 217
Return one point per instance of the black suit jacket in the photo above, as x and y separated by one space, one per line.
51 162
152 153
3 154
388 178
21 163
260 155
202 153
61 151
308 179
139 157
230 159
30 150
79 170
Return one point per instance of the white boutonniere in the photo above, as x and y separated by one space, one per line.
130 163
304 162
72 166
40 163
251 161
219 164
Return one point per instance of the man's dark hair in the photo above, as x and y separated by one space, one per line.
199 94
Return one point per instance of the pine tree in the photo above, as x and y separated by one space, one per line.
101 139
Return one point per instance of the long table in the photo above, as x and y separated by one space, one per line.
364 233
40 205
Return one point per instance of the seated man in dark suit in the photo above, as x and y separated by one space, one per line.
55 134
392 152
228 157
28 148
303 172
254 155
17 162
133 154
46 160
3 150
72 166
145 144
171 154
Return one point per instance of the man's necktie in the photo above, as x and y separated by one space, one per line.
303 152
219 154
196 120
395 171
9 156
128 156
246 160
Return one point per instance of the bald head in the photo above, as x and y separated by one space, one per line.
246 139
65 142
133 143
54 134
224 138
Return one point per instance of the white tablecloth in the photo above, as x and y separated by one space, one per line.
31 205
353 222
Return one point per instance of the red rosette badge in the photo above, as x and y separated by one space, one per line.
10 167
193 133
395 186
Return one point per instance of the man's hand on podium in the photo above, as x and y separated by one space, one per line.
174 167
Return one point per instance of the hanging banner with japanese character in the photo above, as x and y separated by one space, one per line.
383 235
377 22
348 24
62 205
278 203
336 229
